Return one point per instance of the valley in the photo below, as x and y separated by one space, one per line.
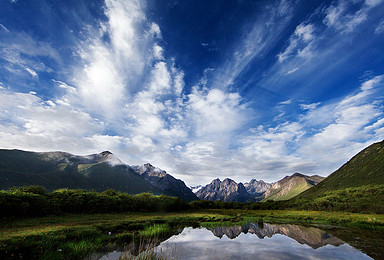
52 201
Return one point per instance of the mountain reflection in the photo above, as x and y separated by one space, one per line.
310 236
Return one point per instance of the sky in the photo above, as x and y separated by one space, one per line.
202 89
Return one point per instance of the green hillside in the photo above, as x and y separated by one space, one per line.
300 186
291 186
62 170
365 168
358 186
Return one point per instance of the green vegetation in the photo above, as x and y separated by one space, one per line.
363 199
301 186
66 224
365 168
34 201
59 170
77 236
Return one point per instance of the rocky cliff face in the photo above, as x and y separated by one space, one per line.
165 182
255 187
227 190
291 186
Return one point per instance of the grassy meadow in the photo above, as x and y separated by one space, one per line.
74 224
76 236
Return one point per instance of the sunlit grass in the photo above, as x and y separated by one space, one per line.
79 235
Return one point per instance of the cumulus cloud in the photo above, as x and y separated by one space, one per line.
214 111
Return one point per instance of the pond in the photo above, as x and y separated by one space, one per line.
264 241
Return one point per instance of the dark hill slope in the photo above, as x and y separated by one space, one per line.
55 170
365 168
165 182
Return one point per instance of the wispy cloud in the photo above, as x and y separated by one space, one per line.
342 17
299 43
255 43
4 28
292 71
32 72
309 106
380 28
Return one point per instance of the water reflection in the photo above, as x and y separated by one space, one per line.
253 242
310 236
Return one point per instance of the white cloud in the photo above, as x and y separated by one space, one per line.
346 132
380 28
158 52
32 123
286 102
32 72
255 43
292 71
342 17
155 30
214 112
299 43
309 106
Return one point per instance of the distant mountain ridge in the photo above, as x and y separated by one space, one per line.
252 191
227 190
55 170
165 182
291 186
104 170
257 188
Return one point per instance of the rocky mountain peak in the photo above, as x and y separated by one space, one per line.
164 181
297 174
228 181
256 188
227 190
149 166
291 186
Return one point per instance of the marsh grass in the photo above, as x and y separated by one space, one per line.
146 249
155 230
77 236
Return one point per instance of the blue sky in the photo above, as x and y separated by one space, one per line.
202 89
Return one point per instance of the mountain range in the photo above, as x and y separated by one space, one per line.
255 190
99 172
227 190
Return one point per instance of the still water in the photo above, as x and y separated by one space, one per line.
251 241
